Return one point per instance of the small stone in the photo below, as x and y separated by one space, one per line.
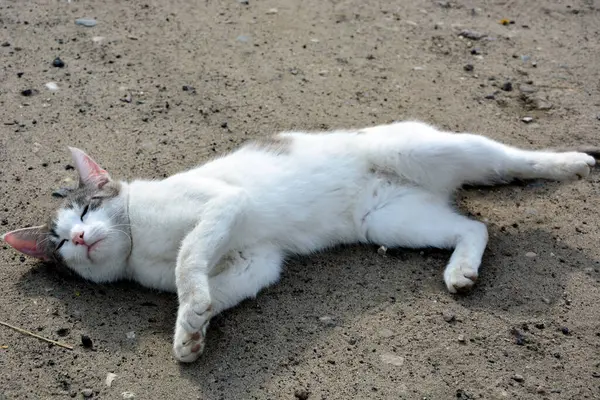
52 86
128 395
530 254
565 331
224 124
86 341
528 120
541 104
110 377
127 98
87 393
87 22
244 2
5 44
386 333
461 338
540 325
294 71
469 67
58 63
301 394
476 51
130 335
323 72
540 390
490 96
444 4
469 34
187 88
98 39
418 68
392 359
507 87
20 74
272 11
327 321
546 300
527 88
382 251
63 332
243 38
29 92
448 316
518 378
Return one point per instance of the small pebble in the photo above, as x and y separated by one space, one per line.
301 394
530 254
518 378
448 316
98 39
461 338
476 51
565 330
527 88
546 300
271 11
243 38
128 395
87 22
540 325
469 67
490 96
52 86
528 120
392 359
130 335
244 2
86 341
5 44
110 377
507 86
87 393
187 88
469 34
58 63
28 92
382 251
327 321
224 124
63 332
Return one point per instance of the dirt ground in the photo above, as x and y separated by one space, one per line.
349 323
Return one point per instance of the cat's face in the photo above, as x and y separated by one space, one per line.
89 233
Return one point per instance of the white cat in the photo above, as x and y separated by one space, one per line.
219 233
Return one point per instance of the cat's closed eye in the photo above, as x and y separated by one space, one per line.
85 210
62 242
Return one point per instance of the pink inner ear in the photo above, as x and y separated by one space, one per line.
89 171
25 246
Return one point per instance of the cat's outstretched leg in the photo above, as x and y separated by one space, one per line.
445 161
408 217
200 250
244 274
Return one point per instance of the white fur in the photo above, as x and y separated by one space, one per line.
218 233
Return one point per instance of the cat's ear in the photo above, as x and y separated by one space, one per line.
90 173
27 241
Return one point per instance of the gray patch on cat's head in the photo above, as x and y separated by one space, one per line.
276 144
88 194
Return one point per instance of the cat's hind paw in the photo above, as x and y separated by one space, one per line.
571 165
460 278
188 347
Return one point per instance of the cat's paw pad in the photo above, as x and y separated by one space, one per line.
188 347
460 278
572 165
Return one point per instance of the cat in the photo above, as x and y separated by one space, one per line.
218 233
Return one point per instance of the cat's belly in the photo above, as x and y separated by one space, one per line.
154 274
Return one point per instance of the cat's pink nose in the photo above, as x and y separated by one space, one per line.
78 238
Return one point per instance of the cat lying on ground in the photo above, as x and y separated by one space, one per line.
217 234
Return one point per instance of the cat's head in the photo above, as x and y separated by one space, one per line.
90 232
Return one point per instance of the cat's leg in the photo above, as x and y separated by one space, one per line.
417 219
200 251
443 160
243 275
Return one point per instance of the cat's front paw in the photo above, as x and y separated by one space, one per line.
190 330
460 277
572 165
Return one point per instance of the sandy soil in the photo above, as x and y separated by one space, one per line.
350 323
